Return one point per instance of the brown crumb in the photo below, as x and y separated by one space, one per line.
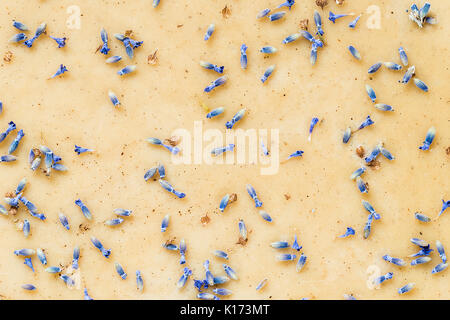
339 2
287 196
322 3
226 12
304 24
374 164
152 59
128 33
205 219
242 241
360 151
12 211
10 194
179 25
447 151
233 198
8 56
173 141
37 152
83 227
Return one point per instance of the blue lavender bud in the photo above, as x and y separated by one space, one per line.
221 254
120 270
268 49
216 83
261 284
280 244
215 112
286 257
150 173
354 22
114 222
298 153
445 205
222 292
40 30
314 121
251 191
230 272
242 230
105 252
28 263
374 68
288 3
440 267
86 295
26 227
126 70
370 209
358 172
393 66
41 256
79 150
263 13
53 270
224 202
11 127
15 142
104 37
383 107
406 288
291 38
397 261
18 37
383 278
350 231
386 154
295 244
122 212
318 22
8 158
409 74
219 151
265 215
75 257
301 262
20 26
333 17
207 296
403 56
67 280
267 73
276 16
420 260
165 223
84 209
169 188
113 59
60 71
354 52
186 273
441 251
29 287
155 4
183 249
428 139
244 56
421 217
139 281
211 66
367 122
60 41
238 116
420 84
209 32
24 252
371 93
347 135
